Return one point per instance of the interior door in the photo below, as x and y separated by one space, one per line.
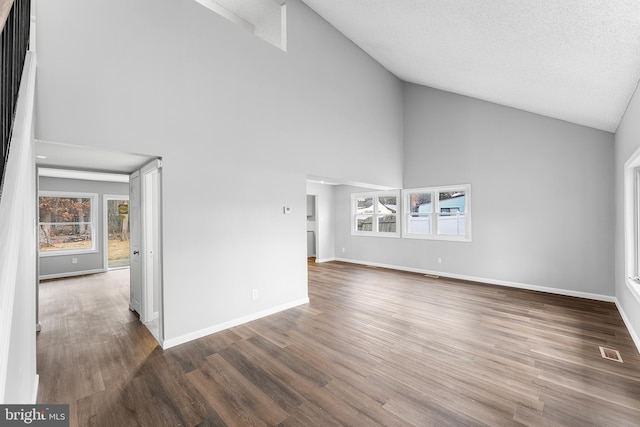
135 271
150 207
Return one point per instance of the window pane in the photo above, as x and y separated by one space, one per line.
65 209
387 205
387 224
65 237
452 224
419 223
364 222
420 203
364 205
118 233
451 201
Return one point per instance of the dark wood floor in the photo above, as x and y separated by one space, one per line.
373 347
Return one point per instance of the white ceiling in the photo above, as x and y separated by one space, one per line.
67 156
574 60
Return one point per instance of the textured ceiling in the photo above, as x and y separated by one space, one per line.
574 60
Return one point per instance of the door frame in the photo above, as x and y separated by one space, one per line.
105 228
150 235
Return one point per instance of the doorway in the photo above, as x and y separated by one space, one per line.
101 164
146 246
312 226
116 239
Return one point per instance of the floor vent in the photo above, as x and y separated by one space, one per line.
611 354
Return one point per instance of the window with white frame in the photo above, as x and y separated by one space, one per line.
66 223
632 222
441 213
375 214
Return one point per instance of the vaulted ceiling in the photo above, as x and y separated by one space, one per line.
574 60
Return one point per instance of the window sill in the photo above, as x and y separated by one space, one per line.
47 254
385 236
438 238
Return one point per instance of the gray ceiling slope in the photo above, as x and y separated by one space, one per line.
574 60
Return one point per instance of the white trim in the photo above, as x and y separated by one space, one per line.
565 292
71 274
172 342
319 261
85 175
634 335
62 193
36 384
94 222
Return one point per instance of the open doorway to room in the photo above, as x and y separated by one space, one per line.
106 223
320 219
312 227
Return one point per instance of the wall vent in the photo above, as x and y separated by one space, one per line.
610 354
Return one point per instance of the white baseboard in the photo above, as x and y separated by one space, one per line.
627 322
172 342
71 274
36 384
565 292
326 260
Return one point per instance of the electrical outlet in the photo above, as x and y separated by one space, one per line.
439 260
254 294
343 250
74 260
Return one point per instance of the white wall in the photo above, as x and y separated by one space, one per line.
61 265
324 227
627 141
18 378
541 196
239 125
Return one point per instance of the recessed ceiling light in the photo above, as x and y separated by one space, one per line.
41 157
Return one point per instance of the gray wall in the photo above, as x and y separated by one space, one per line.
239 125
541 195
60 265
627 141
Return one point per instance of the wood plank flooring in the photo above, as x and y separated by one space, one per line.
373 347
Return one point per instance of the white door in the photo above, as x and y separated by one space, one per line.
135 300
151 252
149 239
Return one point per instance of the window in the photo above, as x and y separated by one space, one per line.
632 222
438 213
375 214
67 223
